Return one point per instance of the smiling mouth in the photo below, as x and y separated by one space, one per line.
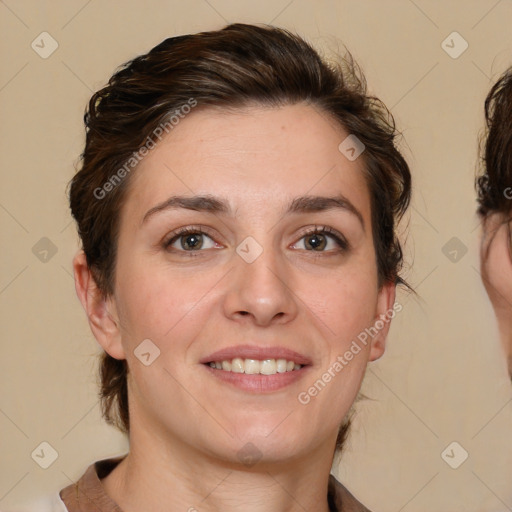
255 366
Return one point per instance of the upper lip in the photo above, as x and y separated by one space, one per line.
256 352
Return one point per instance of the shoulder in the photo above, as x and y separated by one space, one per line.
49 503
341 499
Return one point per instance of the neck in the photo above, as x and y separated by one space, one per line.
179 478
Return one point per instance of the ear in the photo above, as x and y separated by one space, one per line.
101 312
386 310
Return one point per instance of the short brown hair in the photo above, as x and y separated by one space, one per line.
496 152
233 67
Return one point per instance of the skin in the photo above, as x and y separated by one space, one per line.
496 270
187 426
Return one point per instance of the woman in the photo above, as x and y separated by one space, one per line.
495 208
237 204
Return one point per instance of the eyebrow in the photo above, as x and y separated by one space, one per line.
215 205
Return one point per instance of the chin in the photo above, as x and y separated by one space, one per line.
263 451
267 441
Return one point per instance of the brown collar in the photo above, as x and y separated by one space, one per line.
88 493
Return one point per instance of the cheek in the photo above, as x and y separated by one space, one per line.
497 271
158 304
497 276
346 302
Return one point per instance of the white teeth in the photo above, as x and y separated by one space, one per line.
281 365
254 366
268 367
237 365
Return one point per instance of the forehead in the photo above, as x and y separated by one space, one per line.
258 157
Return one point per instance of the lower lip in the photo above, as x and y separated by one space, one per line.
258 383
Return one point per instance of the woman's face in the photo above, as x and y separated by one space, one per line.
247 281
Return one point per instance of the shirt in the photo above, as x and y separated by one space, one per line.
88 493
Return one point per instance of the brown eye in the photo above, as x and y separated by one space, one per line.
316 241
323 240
190 240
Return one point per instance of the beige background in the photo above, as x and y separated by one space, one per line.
442 379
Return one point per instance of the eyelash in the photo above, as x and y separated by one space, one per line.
197 230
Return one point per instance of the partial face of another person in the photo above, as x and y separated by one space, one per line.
495 207
246 240
496 268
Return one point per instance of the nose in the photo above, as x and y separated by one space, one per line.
262 291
